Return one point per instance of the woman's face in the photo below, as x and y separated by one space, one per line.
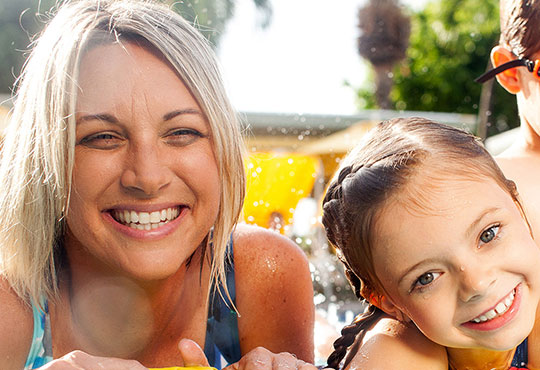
464 268
145 186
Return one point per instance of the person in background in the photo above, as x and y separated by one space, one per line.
121 184
516 62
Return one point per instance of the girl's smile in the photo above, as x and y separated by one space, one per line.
499 315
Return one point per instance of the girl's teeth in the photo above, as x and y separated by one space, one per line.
501 308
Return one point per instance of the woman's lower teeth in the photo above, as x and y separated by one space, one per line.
149 226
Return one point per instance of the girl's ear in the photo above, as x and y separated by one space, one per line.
391 309
508 79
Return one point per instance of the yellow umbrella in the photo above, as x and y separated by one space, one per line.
275 184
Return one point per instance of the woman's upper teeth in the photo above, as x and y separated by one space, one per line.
501 308
146 218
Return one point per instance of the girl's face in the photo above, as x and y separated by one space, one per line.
145 181
465 268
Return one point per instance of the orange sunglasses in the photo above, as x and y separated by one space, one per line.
532 66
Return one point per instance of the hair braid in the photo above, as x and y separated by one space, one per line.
349 333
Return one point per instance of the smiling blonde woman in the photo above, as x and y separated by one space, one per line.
122 181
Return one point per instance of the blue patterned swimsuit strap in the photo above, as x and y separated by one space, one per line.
222 345
41 349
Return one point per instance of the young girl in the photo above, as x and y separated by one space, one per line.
434 237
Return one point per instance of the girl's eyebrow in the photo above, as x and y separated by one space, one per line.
474 225
414 267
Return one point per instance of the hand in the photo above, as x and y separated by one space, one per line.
191 353
262 359
78 360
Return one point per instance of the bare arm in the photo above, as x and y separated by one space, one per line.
274 293
16 327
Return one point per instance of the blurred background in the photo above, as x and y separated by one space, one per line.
309 78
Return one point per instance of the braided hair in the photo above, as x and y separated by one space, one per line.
379 168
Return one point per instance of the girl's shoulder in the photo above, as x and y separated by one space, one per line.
410 349
16 326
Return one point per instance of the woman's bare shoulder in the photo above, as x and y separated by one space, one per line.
410 349
252 240
274 292
16 326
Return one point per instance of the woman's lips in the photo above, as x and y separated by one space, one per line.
146 225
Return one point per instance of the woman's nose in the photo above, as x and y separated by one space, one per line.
145 172
475 281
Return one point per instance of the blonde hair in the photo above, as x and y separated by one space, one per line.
38 154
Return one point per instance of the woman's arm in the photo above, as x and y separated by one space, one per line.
274 293
16 327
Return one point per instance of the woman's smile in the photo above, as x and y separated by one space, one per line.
146 225
146 220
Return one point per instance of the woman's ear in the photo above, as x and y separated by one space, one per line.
508 79
391 309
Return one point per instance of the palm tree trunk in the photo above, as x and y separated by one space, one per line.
383 85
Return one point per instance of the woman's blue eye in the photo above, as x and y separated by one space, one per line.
101 141
183 137
489 234
186 132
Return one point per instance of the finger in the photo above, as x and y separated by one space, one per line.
235 366
257 359
191 353
307 366
284 361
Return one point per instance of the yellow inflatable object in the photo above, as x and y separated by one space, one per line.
184 368
275 184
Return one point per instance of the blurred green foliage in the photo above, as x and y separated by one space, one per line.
21 20
449 47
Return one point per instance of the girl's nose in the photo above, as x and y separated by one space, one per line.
475 281
145 172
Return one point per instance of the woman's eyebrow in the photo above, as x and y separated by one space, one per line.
179 112
100 117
